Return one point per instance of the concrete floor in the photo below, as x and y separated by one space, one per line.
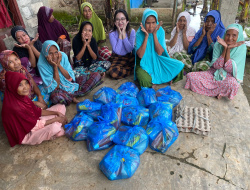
220 160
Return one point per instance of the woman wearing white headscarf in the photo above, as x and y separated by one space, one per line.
182 34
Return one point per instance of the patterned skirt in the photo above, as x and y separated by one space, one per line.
65 46
122 66
86 83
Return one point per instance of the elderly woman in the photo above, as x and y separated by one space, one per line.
28 49
122 40
58 76
11 62
227 67
153 64
25 123
201 47
181 35
88 14
51 29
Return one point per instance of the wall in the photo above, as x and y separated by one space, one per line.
228 10
28 10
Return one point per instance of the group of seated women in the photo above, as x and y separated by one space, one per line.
213 60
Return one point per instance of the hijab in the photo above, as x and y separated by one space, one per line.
19 113
178 47
46 70
200 52
78 44
161 68
4 58
23 52
98 33
237 55
47 30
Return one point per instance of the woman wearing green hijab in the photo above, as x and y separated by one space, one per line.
227 66
88 14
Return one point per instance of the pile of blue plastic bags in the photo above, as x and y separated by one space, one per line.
129 119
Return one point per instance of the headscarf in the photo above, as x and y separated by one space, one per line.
77 45
178 47
23 52
160 67
200 52
47 30
19 113
237 55
46 70
4 58
98 33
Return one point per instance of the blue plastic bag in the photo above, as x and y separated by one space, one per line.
94 114
161 109
77 129
112 112
128 89
162 133
133 137
146 96
105 95
126 100
135 115
120 162
88 106
168 95
100 135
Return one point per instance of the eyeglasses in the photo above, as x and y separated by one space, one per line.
118 20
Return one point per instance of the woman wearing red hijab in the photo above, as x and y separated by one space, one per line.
25 123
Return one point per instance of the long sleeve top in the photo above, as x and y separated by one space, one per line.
219 63
119 46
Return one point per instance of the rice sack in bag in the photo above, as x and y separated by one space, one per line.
135 115
126 100
146 96
161 109
162 133
77 129
112 112
128 89
105 95
168 95
100 135
120 162
88 106
134 137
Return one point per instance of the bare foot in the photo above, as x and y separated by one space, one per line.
102 75
75 100
154 86
219 97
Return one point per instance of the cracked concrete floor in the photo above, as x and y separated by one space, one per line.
219 161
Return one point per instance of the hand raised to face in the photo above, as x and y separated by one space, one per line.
237 44
50 61
143 29
221 42
157 27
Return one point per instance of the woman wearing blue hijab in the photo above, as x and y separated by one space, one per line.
153 64
201 46
227 66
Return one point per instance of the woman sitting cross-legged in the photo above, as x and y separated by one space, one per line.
11 62
23 121
85 52
227 67
28 49
153 64
122 40
58 76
